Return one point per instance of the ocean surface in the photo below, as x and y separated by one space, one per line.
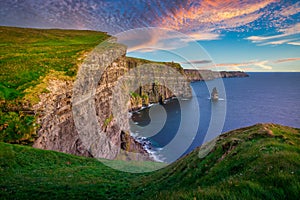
175 129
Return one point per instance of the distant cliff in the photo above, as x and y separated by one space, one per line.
203 75
168 81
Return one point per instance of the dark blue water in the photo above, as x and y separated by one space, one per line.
260 98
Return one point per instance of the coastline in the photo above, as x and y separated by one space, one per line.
144 141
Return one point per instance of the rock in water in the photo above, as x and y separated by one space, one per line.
214 94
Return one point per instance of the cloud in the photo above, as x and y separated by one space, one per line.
211 16
286 60
276 42
203 36
153 39
294 43
208 13
287 35
244 66
263 65
197 62
202 20
290 10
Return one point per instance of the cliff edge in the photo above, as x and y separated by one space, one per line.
78 117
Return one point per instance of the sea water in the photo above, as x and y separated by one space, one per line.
180 126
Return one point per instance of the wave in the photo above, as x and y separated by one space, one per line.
220 99
147 145
183 99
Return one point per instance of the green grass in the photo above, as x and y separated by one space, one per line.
257 162
174 65
28 173
28 59
26 55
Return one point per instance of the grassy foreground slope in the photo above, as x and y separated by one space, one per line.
257 162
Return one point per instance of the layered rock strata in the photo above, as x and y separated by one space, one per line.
89 116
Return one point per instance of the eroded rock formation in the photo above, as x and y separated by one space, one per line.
64 113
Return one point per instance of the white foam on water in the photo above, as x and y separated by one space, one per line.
147 145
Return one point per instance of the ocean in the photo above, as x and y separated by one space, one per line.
175 129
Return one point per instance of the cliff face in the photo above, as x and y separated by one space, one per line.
203 75
89 117
161 81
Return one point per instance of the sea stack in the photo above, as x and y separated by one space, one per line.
214 94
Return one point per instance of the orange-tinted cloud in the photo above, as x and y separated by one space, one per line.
209 15
287 60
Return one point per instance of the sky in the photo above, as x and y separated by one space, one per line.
247 35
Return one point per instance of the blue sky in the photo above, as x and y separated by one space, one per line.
248 35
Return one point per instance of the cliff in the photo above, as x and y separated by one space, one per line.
89 117
204 75
38 92
161 81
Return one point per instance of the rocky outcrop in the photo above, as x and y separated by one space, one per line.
89 116
214 94
57 129
204 75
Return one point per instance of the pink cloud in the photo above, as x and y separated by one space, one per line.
210 15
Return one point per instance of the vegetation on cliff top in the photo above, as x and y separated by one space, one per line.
174 65
27 55
29 58
257 162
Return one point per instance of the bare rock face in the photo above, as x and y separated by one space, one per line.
79 117
57 129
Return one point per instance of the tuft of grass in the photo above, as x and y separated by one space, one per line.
248 163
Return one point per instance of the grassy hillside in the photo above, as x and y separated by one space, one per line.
257 162
27 55
28 59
